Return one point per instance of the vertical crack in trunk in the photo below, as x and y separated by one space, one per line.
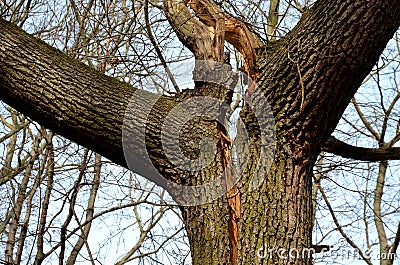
233 197
205 36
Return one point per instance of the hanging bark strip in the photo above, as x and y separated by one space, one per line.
233 196
206 37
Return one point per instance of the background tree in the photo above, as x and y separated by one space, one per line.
362 196
308 77
53 190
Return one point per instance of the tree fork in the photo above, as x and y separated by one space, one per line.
333 47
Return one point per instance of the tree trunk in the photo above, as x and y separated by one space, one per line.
308 78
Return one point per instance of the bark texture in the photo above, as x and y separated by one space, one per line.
308 78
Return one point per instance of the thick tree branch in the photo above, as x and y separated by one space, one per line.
75 100
310 76
345 150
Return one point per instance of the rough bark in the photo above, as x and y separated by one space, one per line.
308 77
81 103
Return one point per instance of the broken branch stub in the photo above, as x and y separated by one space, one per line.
205 37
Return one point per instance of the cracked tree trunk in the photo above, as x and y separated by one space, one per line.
307 77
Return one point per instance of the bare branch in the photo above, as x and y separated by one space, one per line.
340 229
157 48
345 150
273 16
377 208
364 120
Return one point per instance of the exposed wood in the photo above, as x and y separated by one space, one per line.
191 32
236 32
219 26
233 196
